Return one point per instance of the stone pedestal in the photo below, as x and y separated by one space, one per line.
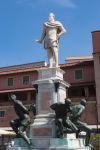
51 88
51 144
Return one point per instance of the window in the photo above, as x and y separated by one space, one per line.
2 113
10 81
76 92
92 91
25 79
78 74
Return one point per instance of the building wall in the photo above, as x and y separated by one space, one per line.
89 116
27 97
96 41
88 73
9 109
96 56
85 89
10 115
18 80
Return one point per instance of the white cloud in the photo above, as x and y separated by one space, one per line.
65 3
61 3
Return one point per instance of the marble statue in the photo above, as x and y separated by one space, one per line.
52 31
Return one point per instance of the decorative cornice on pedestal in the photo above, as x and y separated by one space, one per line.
45 73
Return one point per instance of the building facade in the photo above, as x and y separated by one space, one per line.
80 74
18 80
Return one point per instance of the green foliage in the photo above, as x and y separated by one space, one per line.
95 141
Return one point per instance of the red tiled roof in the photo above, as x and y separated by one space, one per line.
22 68
36 66
78 63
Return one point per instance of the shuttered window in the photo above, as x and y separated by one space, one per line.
26 79
78 74
2 113
10 81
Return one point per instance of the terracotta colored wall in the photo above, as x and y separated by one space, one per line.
88 74
90 114
10 114
96 55
96 41
18 80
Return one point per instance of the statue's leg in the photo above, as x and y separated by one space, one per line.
60 128
70 126
50 57
88 134
77 133
73 127
25 122
55 56
23 135
14 125
83 127
22 129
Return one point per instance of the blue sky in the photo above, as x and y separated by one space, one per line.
21 24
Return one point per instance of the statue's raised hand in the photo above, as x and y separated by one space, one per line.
39 41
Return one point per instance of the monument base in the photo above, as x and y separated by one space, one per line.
51 144
51 88
43 127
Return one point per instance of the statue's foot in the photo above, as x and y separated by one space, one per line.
18 136
51 66
29 143
31 146
89 145
57 66
60 135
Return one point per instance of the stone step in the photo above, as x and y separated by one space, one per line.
59 148
51 144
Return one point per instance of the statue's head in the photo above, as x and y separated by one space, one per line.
83 102
51 17
68 101
13 96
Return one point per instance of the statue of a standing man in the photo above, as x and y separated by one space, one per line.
52 30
